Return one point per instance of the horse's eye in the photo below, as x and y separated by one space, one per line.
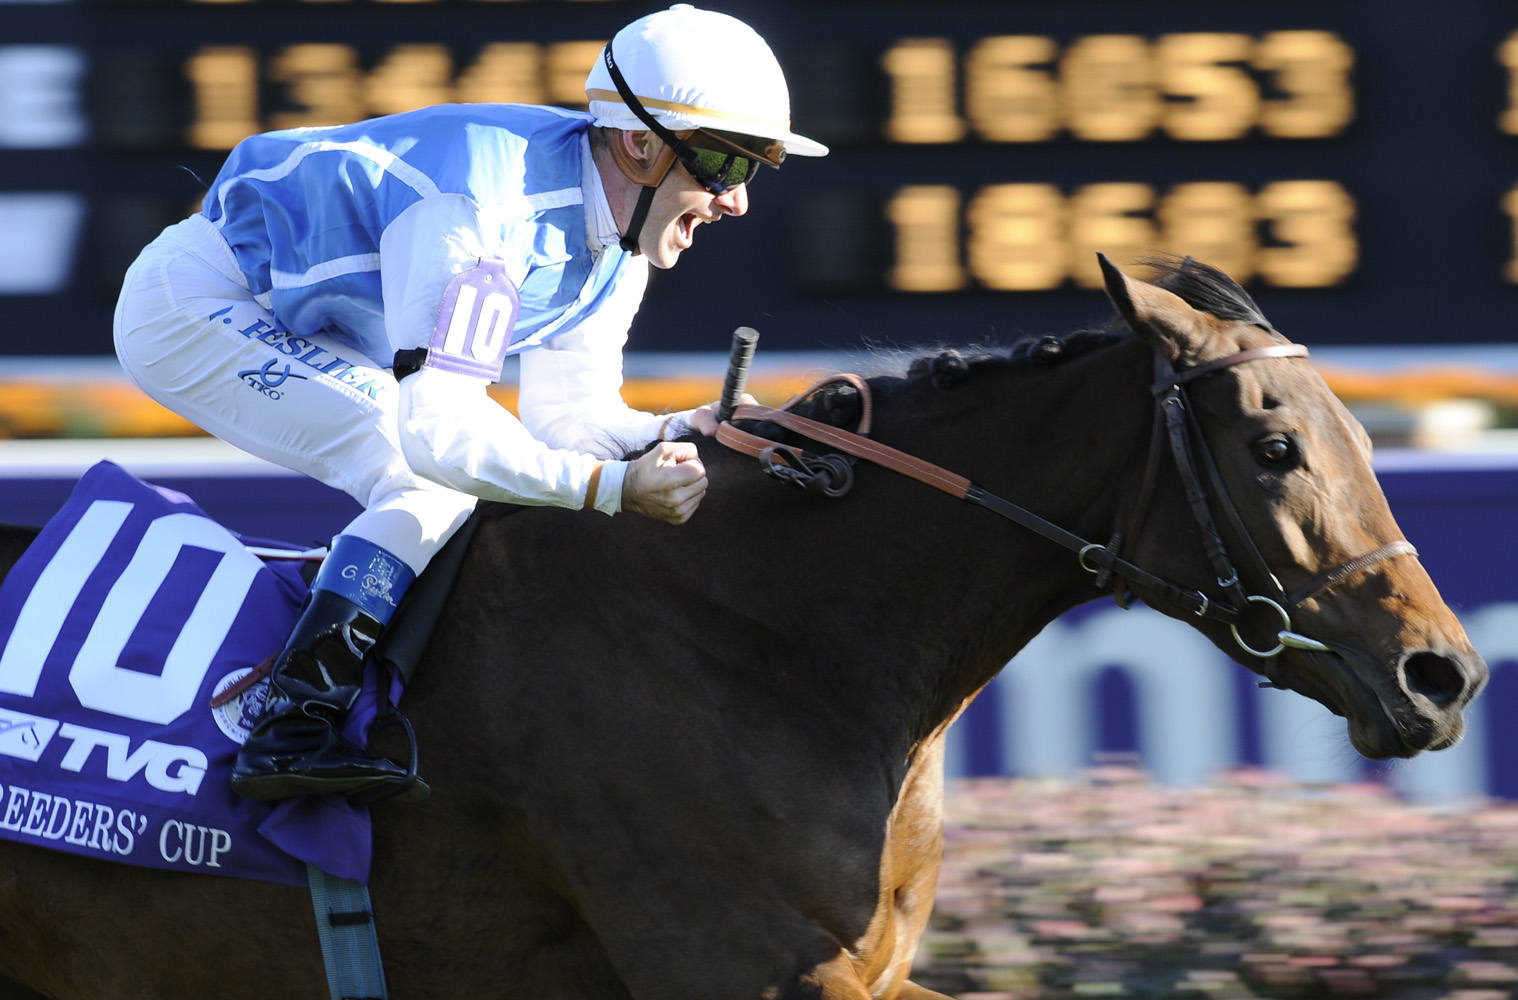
1276 451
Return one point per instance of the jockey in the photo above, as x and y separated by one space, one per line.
346 294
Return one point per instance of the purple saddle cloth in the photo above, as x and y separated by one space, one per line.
118 626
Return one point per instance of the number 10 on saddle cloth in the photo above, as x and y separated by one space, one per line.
120 623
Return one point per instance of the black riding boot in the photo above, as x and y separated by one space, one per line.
295 747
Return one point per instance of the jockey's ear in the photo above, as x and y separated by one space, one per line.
1162 318
640 145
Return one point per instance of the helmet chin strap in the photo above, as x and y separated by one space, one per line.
635 224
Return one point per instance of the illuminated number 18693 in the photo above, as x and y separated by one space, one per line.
1028 237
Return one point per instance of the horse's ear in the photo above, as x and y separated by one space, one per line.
1171 327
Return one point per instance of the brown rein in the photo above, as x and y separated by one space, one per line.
1173 421
856 444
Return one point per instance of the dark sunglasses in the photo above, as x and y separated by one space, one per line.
723 160
718 171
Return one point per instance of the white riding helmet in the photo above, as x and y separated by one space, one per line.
695 69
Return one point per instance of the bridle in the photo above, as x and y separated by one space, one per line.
1174 423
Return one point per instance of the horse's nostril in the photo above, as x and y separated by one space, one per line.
1435 677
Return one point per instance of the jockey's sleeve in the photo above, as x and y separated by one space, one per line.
577 427
422 250
454 433
570 387
451 431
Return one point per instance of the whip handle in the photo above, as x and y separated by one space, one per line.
745 340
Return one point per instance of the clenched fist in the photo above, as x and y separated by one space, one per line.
666 483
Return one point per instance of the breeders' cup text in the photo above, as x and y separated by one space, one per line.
109 830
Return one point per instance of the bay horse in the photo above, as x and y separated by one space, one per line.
705 762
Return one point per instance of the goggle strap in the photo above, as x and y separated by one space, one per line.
682 149
636 106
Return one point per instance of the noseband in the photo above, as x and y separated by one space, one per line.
1175 423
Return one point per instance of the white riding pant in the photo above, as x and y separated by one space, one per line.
190 334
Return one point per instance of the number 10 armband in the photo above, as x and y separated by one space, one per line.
475 322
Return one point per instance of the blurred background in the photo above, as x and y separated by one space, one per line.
1351 162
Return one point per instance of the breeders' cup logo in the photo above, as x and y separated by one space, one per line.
269 378
236 717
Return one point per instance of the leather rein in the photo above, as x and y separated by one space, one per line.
1174 423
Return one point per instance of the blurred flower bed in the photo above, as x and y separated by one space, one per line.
1113 885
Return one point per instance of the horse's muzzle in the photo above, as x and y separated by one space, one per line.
1439 684
1444 680
1423 711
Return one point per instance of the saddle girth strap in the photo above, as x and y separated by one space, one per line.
350 943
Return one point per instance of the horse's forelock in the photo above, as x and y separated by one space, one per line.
1204 287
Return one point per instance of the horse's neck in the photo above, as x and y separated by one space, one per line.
871 617
905 601
1067 443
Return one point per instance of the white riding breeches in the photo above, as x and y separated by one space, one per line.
191 335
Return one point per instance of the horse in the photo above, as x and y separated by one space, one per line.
705 762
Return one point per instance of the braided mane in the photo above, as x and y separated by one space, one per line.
1199 285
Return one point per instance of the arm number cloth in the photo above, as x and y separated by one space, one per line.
475 322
